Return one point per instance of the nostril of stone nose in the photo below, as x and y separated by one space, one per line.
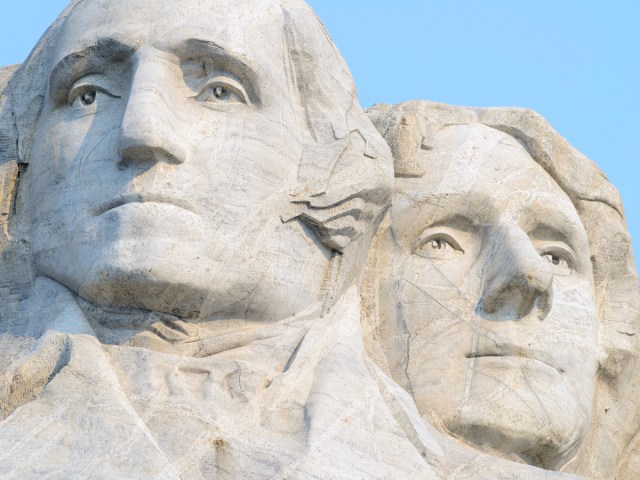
488 306
150 144
145 154
511 304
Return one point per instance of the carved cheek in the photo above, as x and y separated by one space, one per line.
428 296
571 328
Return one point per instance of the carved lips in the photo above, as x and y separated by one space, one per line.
145 198
514 351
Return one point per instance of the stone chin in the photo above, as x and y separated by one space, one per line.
145 262
520 423
111 276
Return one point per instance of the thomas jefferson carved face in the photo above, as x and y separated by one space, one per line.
164 155
487 302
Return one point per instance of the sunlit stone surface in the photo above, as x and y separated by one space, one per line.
215 264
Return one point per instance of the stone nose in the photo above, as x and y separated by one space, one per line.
518 279
150 126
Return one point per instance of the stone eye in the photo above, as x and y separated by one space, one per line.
560 263
223 89
220 93
439 246
85 94
88 98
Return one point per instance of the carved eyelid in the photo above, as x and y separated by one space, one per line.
229 71
86 84
547 234
447 226
554 241
437 233
559 249
227 82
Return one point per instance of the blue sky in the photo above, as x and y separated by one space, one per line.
576 62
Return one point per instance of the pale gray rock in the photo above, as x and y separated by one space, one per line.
188 194
186 199
501 291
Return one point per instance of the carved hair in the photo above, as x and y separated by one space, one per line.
345 172
409 128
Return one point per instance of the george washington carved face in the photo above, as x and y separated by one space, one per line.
164 159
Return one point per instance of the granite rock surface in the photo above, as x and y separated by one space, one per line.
216 264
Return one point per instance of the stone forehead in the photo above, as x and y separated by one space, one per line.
452 137
252 27
173 9
477 158
464 153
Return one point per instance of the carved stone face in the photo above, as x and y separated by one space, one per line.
163 158
487 306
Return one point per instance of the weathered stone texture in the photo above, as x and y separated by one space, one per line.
216 264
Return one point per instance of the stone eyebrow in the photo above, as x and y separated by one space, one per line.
221 58
553 218
90 60
465 209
